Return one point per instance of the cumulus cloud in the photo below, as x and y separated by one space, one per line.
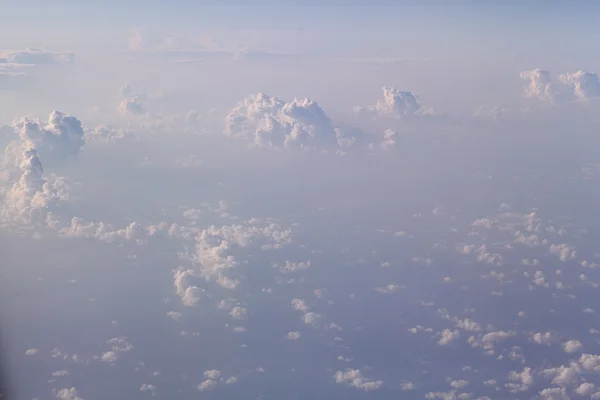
238 312
355 378
539 84
67 394
586 85
573 346
29 198
295 335
207 385
213 374
543 338
396 103
214 245
57 139
148 388
447 336
266 121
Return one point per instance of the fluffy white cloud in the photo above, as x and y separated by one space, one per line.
573 346
266 121
213 374
586 85
57 139
355 378
543 338
447 336
238 312
539 84
31 352
214 244
207 385
396 103
28 199
295 335
147 388
520 381
67 394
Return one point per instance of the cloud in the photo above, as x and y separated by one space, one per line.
29 198
447 336
396 103
213 374
238 312
67 394
355 378
266 121
295 335
37 56
586 85
539 84
207 385
148 388
132 106
573 346
543 338
56 140
31 352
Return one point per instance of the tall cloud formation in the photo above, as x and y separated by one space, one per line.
53 142
395 103
586 85
27 199
539 84
267 121
59 138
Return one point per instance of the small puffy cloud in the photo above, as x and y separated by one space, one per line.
355 378
573 346
311 318
266 121
459 384
396 103
586 389
543 338
67 394
295 335
447 336
207 385
539 84
109 356
520 381
238 312
231 380
31 352
586 85
213 374
391 288
300 305
148 388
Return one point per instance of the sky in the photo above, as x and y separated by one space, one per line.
259 200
